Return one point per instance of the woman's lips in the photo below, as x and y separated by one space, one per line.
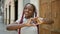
26 13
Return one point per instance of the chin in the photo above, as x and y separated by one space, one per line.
26 16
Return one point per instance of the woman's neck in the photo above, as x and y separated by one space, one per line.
28 17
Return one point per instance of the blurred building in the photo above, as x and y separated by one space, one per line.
1 11
8 11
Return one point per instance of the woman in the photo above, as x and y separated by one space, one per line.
27 22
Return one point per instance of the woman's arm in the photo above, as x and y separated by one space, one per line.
43 20
15 26
47 21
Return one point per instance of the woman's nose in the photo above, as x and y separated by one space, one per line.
27 10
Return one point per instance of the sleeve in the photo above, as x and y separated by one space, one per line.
46 21
18 21
40 18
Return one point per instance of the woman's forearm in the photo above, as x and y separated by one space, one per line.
43 21
47 21
15 26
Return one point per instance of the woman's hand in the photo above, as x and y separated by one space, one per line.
37 21
30 23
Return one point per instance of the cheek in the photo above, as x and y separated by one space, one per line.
31 13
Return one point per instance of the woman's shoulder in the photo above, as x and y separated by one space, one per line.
18 20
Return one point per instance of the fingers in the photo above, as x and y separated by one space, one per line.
35 18
38 20
30 21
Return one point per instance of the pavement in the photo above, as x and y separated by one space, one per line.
3 28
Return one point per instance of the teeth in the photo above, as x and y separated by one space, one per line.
26 12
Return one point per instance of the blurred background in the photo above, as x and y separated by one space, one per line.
11 10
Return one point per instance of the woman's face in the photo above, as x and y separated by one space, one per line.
28 10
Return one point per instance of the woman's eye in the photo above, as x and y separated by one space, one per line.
25 8
30 9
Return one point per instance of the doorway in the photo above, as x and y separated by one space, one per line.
16 9
9 13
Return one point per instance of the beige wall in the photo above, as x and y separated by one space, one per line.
20 8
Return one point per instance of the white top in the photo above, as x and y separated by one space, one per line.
28 30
